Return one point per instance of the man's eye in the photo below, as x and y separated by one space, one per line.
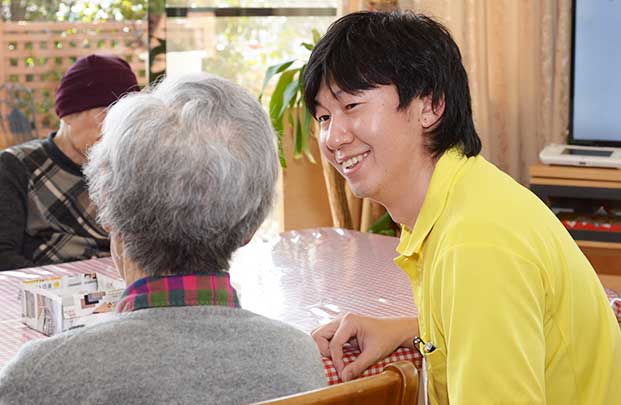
351 106
323 118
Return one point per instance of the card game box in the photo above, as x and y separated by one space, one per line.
53 305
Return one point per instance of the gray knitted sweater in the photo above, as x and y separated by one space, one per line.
196 354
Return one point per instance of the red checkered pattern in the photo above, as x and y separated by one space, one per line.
611 294
616 307
615 303
350 354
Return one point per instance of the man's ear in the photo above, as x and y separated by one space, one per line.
430 116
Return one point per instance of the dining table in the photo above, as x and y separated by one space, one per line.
304 278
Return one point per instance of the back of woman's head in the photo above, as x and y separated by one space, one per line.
184 173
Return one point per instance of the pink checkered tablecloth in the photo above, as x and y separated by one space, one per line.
303 278
611 294
616 307
615 303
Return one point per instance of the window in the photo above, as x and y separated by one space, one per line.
238 40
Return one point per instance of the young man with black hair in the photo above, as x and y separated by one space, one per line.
510 310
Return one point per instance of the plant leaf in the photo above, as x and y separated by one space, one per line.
281 151
277 103
383 225
289 93
271 71
316 36
301 80
298 139
288 97
306 133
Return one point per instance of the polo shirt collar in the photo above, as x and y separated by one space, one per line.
442 179
212 288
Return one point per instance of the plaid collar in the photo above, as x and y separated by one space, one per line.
213 288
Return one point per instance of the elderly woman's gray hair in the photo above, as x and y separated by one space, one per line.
184 173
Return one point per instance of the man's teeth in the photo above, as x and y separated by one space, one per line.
349 163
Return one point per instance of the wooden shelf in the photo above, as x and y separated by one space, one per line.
553 181
583 183
605 257
611 281
598 245
576 173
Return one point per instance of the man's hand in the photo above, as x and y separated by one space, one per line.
375 337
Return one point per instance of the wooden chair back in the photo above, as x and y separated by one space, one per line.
396 385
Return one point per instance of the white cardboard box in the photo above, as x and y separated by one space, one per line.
55 304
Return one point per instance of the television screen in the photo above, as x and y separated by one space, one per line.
596 73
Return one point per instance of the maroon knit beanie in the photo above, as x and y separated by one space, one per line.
94 81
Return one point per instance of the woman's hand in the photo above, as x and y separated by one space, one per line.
376 338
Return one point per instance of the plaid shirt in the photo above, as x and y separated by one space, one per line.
48 215
213 288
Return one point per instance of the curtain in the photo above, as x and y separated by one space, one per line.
518 56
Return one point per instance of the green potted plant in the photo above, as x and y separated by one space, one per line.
287 102
305 197
287 106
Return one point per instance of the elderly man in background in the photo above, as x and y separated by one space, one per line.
46 215
183 176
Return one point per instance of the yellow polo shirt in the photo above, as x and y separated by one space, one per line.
514 309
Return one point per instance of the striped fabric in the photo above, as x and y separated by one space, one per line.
213 288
